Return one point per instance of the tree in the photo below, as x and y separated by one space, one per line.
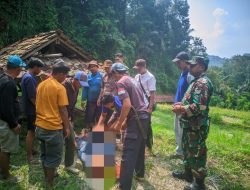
196 47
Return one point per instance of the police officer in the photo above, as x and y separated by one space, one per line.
138 119
194 110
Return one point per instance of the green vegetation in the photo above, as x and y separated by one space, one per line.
232 83
228 156
150 29
228 146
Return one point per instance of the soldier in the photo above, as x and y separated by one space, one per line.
194 110
135 111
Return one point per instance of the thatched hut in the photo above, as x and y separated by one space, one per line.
47 47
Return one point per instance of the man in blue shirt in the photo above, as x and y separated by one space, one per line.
91 94
110 103
28 85
181 61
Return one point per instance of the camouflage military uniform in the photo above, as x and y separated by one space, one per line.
195 123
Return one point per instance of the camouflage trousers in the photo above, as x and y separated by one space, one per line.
195 150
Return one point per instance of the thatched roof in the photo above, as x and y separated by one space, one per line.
36 46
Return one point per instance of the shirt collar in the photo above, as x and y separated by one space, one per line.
201 75
144 74
185 72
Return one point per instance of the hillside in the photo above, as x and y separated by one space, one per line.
216 60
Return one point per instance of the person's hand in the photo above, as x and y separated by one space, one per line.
150 110
17 129
178 109
178 103
66 132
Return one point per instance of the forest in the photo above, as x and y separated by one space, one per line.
155 30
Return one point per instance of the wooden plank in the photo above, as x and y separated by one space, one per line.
26 55
74 49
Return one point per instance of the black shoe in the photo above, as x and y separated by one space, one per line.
187 175
198 184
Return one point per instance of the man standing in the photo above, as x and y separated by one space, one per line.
72 86
108 85
29 85
181 61
108 81
135 111
194 110
52 119
91 94
9 126
119 58
148 85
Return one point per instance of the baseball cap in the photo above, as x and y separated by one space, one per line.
82 78
181 56
140 63
93 63
119 67
59 66
199 60
15 61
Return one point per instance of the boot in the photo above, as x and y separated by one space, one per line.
186 175
198 184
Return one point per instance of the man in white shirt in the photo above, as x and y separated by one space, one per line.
147 82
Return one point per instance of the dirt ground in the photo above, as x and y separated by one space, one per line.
159 173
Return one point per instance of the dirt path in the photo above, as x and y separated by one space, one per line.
159 173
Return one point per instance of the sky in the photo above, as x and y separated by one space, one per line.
223 25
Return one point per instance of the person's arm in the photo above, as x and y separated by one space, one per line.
100 97
102 119
101 93
65 119
62 104
151 102
126 106
199 100
152 90
31 90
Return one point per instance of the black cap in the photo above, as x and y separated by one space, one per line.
59 66
35 62
199 60
181 56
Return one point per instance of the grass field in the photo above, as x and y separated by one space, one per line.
228 157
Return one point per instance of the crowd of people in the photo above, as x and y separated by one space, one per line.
114 100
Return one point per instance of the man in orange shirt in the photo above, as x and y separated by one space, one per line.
52 119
